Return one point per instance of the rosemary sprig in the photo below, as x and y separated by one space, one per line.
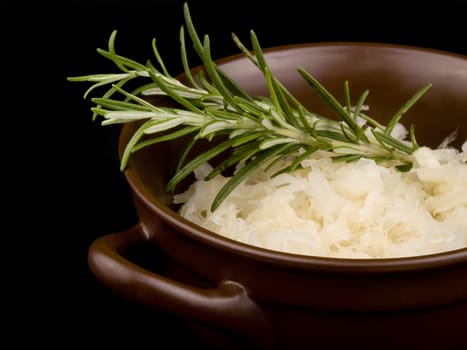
257 131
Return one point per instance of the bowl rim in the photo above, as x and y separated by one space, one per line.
329 264
342 43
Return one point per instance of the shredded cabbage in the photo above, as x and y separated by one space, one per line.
346 210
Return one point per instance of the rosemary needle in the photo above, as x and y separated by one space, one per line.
259 130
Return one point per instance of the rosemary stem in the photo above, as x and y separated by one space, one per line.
261 129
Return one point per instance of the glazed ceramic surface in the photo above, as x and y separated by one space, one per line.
242 296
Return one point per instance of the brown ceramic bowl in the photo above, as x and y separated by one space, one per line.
242 295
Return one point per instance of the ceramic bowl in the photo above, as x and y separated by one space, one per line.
248 296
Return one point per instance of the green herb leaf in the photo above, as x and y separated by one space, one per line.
257 132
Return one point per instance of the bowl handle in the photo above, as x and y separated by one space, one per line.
227 306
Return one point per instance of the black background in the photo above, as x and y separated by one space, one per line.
70 190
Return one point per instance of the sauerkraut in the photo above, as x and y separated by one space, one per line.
345 210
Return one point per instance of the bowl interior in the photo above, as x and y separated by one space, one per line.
391 73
